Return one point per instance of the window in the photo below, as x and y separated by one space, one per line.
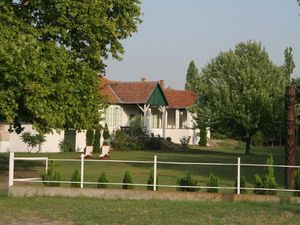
113 116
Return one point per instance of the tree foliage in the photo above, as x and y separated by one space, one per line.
191 76
242 92
51 54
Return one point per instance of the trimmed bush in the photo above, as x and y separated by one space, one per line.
297 182
151 181
213 181
203 137
127 180
268 181
96 147
106 134
65 146
169 139
51 175
89 137
242 185
33 140
75 178
187 182
102 179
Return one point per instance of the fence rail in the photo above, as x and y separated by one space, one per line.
155 162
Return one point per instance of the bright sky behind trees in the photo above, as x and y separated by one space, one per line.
174 32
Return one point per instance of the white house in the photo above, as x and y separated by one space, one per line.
164 111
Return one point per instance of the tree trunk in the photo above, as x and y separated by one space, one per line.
248 145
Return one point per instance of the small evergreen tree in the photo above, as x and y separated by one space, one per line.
191 76
242 185
102 179
203 137
151 181
96 148
186 182
51 175
89 138
106 134
75 178
127 180
297 182
213 181
268 181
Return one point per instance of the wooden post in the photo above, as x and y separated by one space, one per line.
290 134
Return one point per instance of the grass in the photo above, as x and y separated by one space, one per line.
99 211
167 174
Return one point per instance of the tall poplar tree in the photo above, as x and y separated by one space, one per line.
191 76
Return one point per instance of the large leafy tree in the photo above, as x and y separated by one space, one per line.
191 76
51 54
242 92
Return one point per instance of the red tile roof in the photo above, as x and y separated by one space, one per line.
139 93
128 92
180 98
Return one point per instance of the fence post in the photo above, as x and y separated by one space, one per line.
154 173
47 162
11 169
82 170
239 176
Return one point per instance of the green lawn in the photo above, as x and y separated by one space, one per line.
167 174
83 211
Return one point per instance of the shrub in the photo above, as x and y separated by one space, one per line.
185 140
65 146
33 140
136 129
213 181
151 181
106 134
127 180
169 139
242 185
187 182
51 175
268 181
89 137
119 140
96 147
152 143
258 139
297 182
203 137
75 178
102 179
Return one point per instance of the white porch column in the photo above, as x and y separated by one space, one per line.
164 120
177 118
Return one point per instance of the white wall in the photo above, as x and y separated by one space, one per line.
16 144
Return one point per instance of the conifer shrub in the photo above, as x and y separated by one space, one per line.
203 137
242 185
96 147
102 179
187 183
51 175
127 180
75 178
213 181
151 181
89 137
297 182
106 134
268 181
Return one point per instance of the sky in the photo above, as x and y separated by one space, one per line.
174 32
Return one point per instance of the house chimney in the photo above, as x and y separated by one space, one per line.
143 79
162 83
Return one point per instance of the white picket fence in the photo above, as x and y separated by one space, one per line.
155 162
